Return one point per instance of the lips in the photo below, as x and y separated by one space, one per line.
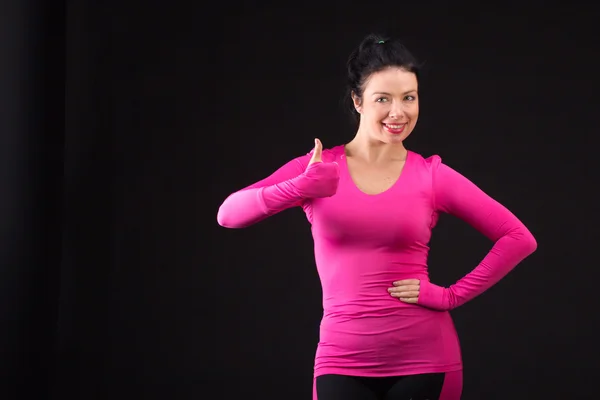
394 129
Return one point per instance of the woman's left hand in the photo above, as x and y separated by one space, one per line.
406 290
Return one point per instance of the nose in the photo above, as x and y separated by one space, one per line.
396 111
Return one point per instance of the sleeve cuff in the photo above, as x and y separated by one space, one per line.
432 296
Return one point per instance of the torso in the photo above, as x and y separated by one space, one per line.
375 230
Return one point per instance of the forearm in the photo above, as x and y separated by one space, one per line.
505 255
252 205
290 186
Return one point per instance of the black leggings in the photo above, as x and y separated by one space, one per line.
411 387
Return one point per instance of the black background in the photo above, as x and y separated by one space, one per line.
126 124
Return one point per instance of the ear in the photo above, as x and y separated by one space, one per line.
356 100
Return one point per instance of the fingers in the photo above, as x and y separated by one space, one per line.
407 282
412 300
317 153
405 295
406 290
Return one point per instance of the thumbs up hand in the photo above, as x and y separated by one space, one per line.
320 179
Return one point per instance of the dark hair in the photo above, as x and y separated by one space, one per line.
373 54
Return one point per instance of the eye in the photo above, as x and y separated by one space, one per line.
381 100
410 98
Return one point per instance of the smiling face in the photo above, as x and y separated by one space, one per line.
389 105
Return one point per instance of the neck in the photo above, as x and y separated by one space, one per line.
373 151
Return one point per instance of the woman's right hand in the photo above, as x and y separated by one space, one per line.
320 179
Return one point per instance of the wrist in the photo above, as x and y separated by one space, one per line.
280 196
301 185
433 296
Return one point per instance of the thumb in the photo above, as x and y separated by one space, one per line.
318 151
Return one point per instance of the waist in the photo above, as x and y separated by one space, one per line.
381 316
364 295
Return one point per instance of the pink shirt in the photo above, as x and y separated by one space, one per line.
363 243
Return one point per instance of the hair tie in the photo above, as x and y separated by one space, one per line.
381 41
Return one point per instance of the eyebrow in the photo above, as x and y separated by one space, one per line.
388 94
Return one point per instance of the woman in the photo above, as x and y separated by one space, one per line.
386 331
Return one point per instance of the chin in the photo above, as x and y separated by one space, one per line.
393 139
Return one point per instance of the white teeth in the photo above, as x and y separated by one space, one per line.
395 126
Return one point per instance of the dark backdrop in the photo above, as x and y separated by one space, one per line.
31 167
117 282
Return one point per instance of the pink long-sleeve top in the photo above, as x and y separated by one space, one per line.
363 243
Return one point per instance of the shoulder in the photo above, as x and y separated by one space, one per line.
431 167
428 163
440 174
